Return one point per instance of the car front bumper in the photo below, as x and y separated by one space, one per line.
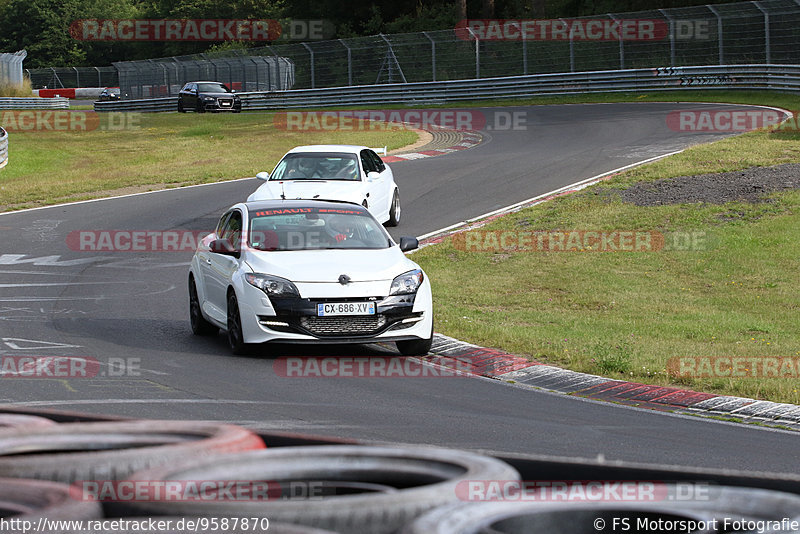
295 320
218 105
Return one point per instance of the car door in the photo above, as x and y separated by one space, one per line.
373 184
221 267
190 96
383 185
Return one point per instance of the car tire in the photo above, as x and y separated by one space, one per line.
19 421
394 210
545 517
113 450
22 499
200 327
415 347
369 488
239 110
235 335
180 107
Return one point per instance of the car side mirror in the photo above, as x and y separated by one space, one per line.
263 175
224 247
408 243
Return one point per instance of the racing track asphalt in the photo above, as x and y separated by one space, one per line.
132 307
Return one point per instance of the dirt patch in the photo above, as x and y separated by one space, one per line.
749 185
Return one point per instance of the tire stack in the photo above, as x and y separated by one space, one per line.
45 468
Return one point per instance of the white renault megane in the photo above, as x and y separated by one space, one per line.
335 172
308 271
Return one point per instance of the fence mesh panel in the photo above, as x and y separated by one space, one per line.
766 31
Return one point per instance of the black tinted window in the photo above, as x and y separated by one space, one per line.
367 163
377 161
212 88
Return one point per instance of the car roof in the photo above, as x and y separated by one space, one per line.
301 203
347 149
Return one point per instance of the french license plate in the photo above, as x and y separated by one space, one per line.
330 309
225 103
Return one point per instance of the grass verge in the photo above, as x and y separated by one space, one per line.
131 151
630 315
8 90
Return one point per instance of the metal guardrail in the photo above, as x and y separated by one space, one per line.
775 77
34 103
169 103
3 147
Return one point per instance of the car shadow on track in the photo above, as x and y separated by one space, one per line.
175 336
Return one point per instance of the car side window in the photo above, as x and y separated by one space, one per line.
377 161
221 224
232 230
367 163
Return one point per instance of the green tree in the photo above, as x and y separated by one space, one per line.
41 28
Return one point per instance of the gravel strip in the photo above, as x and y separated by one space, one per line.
748 185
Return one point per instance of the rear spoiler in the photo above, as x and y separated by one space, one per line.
381 151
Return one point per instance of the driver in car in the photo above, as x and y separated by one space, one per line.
303 168
342 227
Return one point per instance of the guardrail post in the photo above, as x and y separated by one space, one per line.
349 62
766 31
433 55
621 44
477 54
719 33
671 36
311 52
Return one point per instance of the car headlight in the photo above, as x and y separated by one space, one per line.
208 98
407 283
274 286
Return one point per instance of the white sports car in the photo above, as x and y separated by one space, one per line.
334 172
308 271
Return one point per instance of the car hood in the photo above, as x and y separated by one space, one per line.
325 266
348 190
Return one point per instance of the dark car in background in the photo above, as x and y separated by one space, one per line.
208 96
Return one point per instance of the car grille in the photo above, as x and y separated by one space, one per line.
348 325
226 102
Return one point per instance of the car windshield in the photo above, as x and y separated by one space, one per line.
317 166
211 88
306 228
